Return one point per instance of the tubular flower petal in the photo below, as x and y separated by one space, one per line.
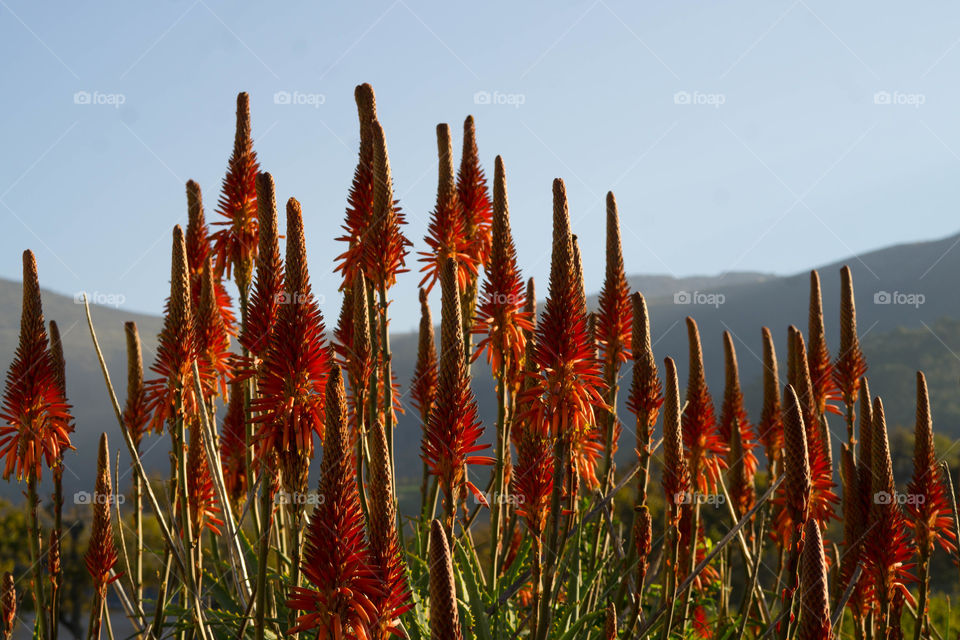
36 422
450 437
337 563
500 317
235 246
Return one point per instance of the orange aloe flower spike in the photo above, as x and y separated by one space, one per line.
213 341
770 428
815 599
35 426
701 439
676 476
614 317
849 366
818 358
423 387
733 414
135 414
101 554
199 254
385 246
474 197
235 245
444 617
264 305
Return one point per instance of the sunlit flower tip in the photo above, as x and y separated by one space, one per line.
264 304
423 387
614 316
342 587
176 345
444 617
8 603
815 603
770 428
500 317
359 212
35 417
213 341
204 512
102 553
293 374
797 482
447 235
384 542
704 446
818 358
233 445
450 439
676 478
385 247
931 516
850 365
235 245
474 197
888 548
135 413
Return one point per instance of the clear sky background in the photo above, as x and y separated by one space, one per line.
798 166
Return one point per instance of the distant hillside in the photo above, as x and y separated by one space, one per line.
898 339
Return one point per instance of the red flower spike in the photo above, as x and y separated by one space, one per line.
888 548
704 447
235 246
568 379
676 476
290 406
360 198
931 515
385 246
815 600
614 316
101 554
447 235
171 395
770 428
794 495
342 585
474 197
450 437
35 415
135 414
850 366
264 305
733 414
423 387
199 254
533 477
825 392
500 317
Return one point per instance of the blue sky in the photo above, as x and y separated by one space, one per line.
736 135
